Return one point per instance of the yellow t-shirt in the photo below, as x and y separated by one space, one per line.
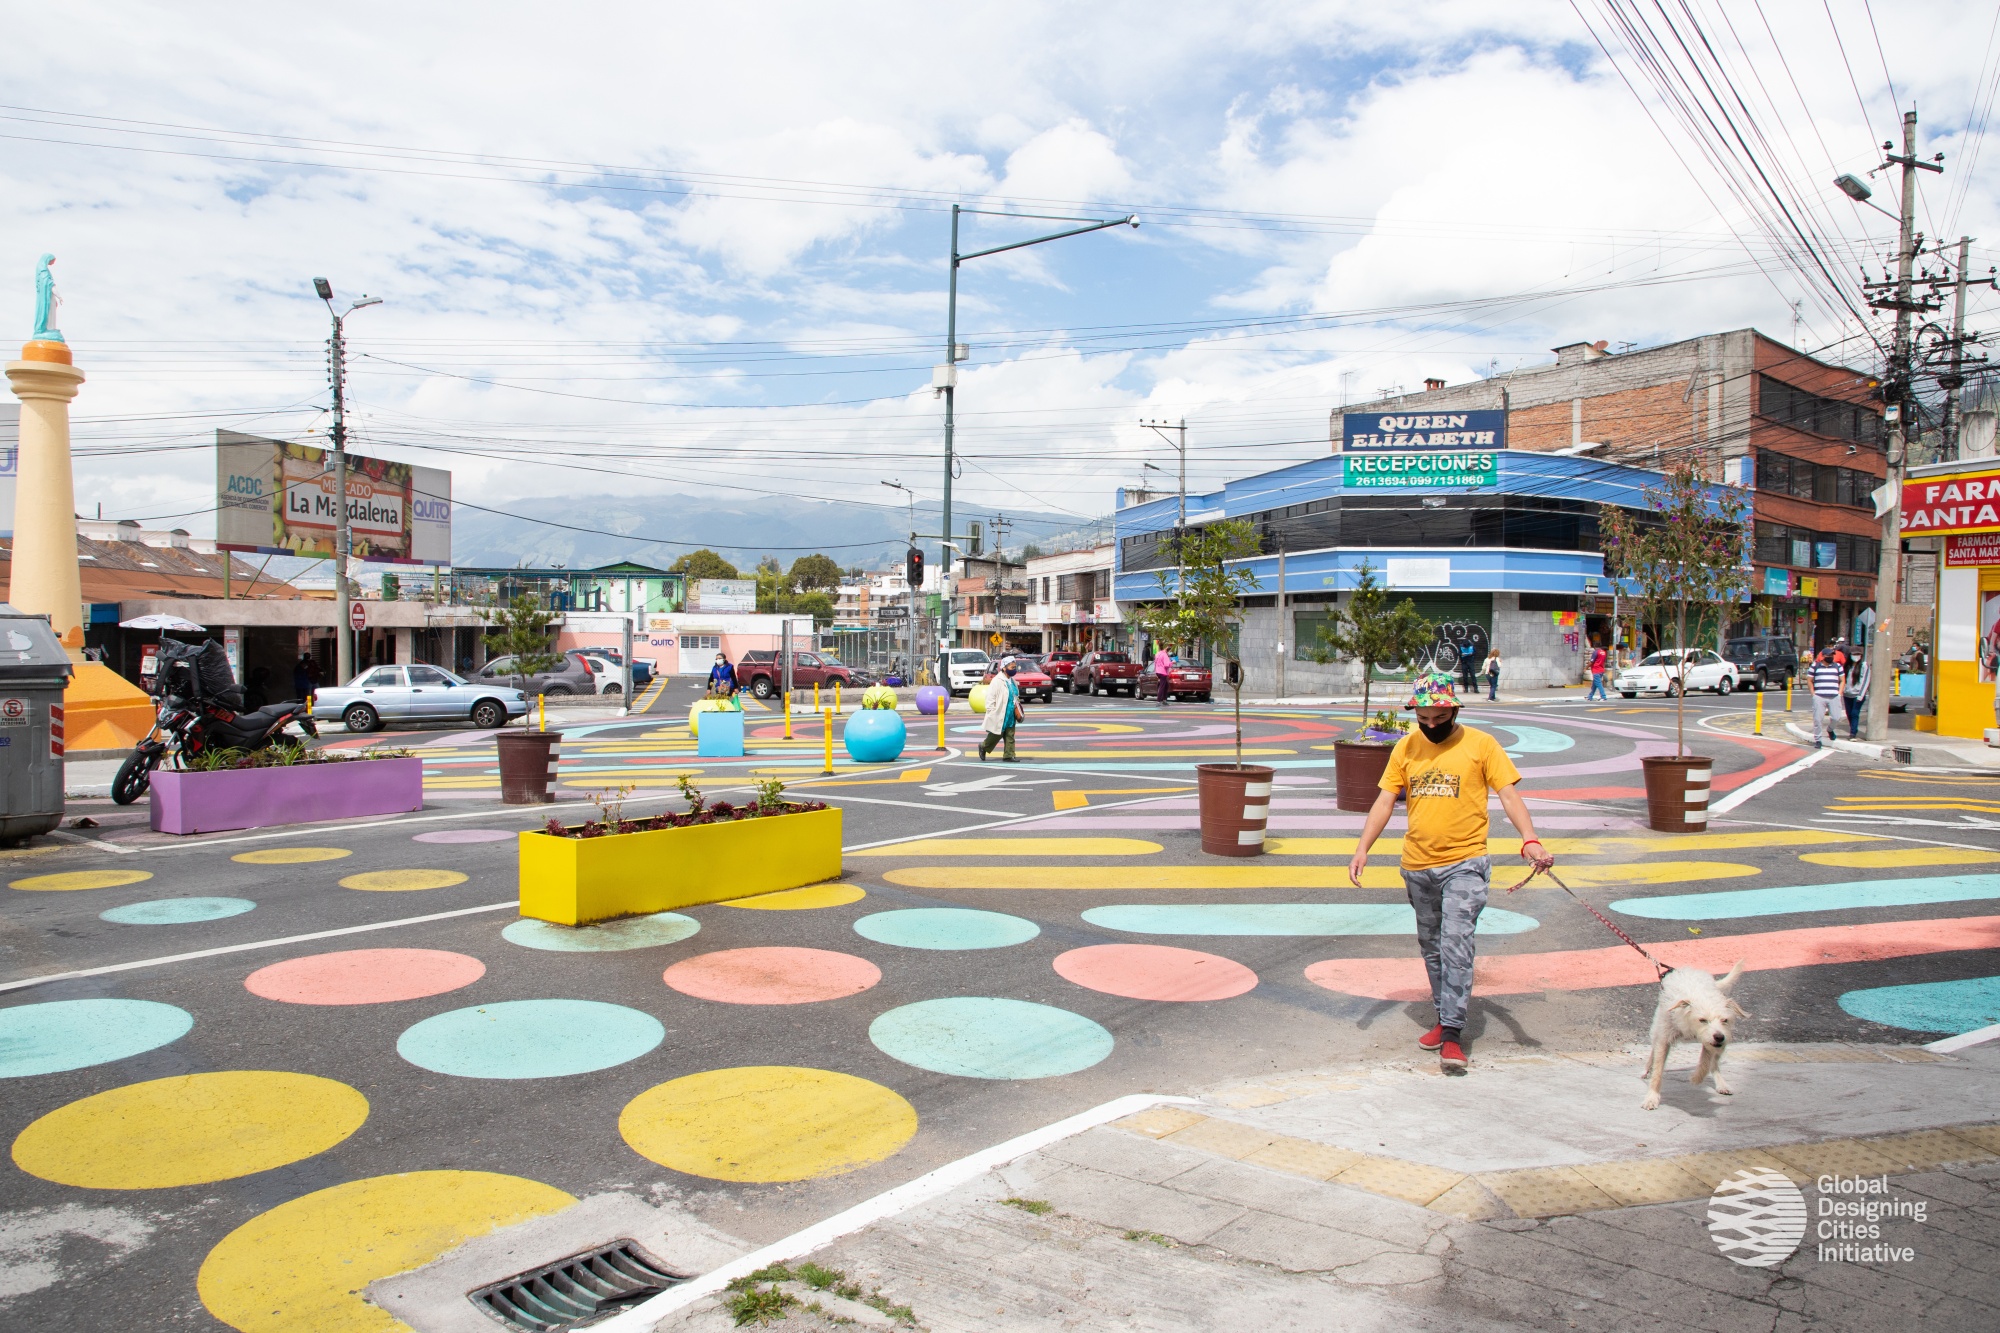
1445 788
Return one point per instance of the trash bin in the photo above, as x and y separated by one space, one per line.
33 671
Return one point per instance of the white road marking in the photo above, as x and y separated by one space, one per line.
1768 781
1976 1037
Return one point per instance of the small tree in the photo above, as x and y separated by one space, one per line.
1692 551
1372 631
1206 605
520 630
702 564
813 573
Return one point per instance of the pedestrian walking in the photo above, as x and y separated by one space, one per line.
305 676
722 678
1599 659
1827 679
1444 772
1493 676
1468 667
1854 693
1163 670
1003 713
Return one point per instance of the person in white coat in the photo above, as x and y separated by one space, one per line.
1003 713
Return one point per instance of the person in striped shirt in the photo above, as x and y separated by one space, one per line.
1827 678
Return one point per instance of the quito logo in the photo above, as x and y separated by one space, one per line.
1757 1218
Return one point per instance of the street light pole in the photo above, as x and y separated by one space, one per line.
945 380
343 545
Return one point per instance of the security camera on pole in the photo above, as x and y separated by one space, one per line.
343 546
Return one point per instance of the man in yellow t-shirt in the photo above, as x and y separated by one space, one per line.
1444 771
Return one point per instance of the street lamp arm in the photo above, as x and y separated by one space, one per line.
1132 220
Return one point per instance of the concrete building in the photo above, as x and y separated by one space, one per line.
991 596
1070 600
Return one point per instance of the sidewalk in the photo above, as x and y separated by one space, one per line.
1533 1194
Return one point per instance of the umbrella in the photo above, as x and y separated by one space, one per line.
161 622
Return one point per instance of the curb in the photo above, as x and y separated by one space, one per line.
1865 748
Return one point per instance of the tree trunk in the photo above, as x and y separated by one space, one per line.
1681 696
1367 673
1237 689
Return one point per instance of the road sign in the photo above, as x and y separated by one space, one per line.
995 640
357 616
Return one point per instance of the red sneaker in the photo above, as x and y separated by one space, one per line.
1452 1056
1433 1039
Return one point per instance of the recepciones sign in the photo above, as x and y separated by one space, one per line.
1425 471
1963 503
1390 432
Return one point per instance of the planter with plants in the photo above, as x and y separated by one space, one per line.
876 734
522 630
283 784
1691 551
1371 631
613 867
1202 603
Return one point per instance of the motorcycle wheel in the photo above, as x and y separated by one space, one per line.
134 776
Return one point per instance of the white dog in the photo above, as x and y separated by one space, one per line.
1694 1006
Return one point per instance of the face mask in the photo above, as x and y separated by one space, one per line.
1436 735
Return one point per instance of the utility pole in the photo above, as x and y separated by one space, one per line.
1161 428
1902 401
343 546
1952 377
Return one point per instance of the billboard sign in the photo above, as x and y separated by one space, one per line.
10 463
1963 503
1403 472
1399 432
727 595
277 497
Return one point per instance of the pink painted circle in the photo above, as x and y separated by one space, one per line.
465 835
772 976
1155 972
365 976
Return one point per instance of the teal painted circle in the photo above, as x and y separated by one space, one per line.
1286 919
1930 1006
530 1039
946 928
976 1037
76 1034
176 911
637 932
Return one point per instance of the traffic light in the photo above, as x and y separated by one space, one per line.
975 542
913 567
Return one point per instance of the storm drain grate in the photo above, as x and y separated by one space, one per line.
576 1291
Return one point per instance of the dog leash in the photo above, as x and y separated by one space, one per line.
1607 922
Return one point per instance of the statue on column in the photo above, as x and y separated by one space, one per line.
47 303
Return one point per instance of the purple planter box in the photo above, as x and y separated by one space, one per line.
269 797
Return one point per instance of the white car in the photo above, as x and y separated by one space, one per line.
1661 673
966 668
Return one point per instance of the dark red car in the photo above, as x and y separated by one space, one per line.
1034 685
1187 679
1057 666
1105 673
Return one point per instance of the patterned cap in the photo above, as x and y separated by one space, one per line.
1432 689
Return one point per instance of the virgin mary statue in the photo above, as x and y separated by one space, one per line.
47 303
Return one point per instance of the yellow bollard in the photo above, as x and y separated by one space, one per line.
541 712
788 714
827 719
1758 729
1788 694
943 703
816 707
836 696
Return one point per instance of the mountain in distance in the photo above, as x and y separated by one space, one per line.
584 532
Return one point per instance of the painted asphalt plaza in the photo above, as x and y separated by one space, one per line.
300 1059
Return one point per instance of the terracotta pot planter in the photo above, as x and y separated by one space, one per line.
1677 792
270 797
1357 774
1235 807
527 766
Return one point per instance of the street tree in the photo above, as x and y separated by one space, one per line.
813 572
1205 603
523 630
703 564
1372 631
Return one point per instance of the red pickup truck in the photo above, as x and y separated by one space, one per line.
1105 673
1057 667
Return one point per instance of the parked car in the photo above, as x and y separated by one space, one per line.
1187 679
965 667
1105 673
613 663
1034 684
1661 673
573 675
418 693
763 675
1057 666
1763 661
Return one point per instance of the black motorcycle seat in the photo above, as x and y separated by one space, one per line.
260 720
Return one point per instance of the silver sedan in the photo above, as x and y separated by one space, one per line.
407 695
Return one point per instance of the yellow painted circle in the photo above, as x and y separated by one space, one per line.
80 879
801 900
767 1123
402 881
302 1266
290 856
1901 856
189 1130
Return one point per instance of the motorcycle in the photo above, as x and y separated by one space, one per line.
198 713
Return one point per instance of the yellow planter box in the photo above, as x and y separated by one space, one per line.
575 881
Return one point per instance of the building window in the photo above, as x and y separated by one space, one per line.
1791 406
701 643
1548 601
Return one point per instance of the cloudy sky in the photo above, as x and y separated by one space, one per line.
629 249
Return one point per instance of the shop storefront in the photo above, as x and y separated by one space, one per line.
1959 503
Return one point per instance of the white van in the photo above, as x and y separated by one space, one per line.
966 668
